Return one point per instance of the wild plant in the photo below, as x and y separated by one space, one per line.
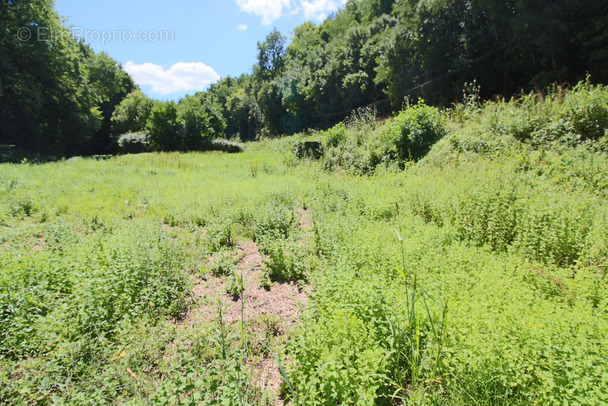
296 397
418 338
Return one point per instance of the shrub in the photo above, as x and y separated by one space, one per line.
88 288
286 261
219 234
553 233
308 149
415 130
223 264
228 146
275 222
134 143
335 135
587 109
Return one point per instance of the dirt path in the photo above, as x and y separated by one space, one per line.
267 312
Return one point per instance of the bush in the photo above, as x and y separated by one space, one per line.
335 135
219 234
415 130
87 288
134 143
587 109
363 145
308 149
223 264
227 146
276 222
286 261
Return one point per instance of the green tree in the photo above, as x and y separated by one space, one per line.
111 84
56 95
201 120
164 127
131 115
271 56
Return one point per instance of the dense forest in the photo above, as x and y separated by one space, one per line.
60 98
56 96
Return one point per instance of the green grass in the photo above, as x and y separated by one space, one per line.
493 291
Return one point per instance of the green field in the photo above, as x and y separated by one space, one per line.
476 275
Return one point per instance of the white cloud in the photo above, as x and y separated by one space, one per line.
241 27
271 10
319 9
182 76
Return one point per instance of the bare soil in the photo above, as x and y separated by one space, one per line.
274 311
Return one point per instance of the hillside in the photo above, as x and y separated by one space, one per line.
440 257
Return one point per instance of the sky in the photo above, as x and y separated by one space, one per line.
181 47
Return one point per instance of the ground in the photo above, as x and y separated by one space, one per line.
273 311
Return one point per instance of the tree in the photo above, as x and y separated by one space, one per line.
271 56
201 121
57 96
131 115
111 85
164 127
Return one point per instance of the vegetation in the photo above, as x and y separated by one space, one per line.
57 96
59 99
377 53
454 255
474 274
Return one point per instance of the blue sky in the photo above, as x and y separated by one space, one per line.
180 47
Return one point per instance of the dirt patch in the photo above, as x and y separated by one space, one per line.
267 312
274 311
282 299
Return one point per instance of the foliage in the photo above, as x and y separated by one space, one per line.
56 95
586 107
190 125
164 128
223 264
286 261
476 275
364 145
201 122
275 222
228 146
131 115
376 53
134 143
415 130
219 234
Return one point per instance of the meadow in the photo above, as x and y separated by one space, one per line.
450 258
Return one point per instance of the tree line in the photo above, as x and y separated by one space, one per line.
57 96
370 53
378 52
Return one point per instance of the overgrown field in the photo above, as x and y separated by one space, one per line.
454 258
